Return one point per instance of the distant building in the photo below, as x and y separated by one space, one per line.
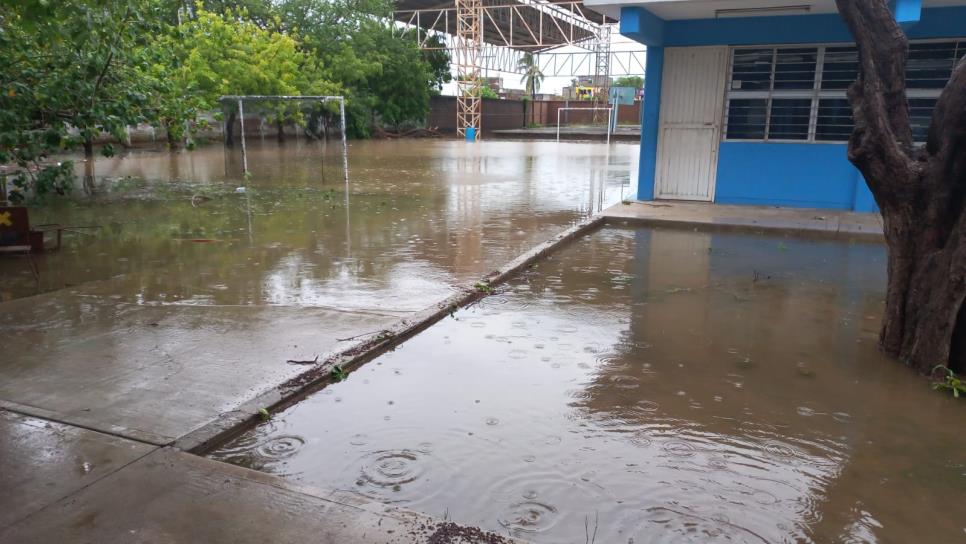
744 100
494 83
512 94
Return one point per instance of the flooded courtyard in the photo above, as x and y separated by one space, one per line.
200 283
636 385
419 215
648 385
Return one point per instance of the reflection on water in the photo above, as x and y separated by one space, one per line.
419 216
654 386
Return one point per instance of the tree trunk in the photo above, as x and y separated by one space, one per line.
229 127
280 128
172 139
88 149
920 190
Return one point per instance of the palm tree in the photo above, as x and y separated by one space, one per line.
532 75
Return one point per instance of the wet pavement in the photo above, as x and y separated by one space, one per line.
199 286
172 496
648 385
42 462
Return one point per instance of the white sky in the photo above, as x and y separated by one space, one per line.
555 84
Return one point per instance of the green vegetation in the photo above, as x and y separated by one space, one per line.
950 382
484 287
338 373
264 414
486 92
629 81
74 70
532 75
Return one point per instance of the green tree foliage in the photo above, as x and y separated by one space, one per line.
485 92
214 54
438 58
532 75
69 71
385 76
629 81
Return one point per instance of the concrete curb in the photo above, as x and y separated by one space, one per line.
233 423
833 225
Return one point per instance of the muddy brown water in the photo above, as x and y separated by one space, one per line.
421 216
648 385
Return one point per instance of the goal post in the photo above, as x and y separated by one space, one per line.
610 112
239 100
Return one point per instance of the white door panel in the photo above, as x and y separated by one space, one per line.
692 95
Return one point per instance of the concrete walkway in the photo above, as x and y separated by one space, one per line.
86 443
803 220
65 484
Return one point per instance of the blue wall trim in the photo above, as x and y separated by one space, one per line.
649 122
908 12
786 174
791 29
642 26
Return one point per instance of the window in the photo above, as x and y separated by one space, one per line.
797 94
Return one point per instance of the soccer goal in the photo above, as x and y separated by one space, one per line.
310 114
586 117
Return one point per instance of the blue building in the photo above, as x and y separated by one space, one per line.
745 100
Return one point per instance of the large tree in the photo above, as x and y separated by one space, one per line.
215 54
69 71
920 190
382 71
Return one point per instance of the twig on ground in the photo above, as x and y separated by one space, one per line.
305 362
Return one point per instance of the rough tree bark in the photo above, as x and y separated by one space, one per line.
920 190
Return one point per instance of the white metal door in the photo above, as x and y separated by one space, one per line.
692 94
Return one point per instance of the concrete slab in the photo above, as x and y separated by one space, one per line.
171 496
829 222
233 422
42 462
156 372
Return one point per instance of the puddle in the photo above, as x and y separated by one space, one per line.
668 403
422 215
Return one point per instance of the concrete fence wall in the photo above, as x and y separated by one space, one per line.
511 114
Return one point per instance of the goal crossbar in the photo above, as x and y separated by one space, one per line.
313 98
609 111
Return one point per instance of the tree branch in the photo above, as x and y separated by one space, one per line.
110 57
946 155
949 117
881 145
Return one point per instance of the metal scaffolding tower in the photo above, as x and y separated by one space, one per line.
602 71
496 34
469 47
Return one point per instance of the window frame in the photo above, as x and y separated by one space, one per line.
815 94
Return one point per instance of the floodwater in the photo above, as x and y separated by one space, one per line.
419 216
648 385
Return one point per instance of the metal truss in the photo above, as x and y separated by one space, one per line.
602 69
520 24
469 45
496 34
563 64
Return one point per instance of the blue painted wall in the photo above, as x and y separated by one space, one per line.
786 174
649 123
